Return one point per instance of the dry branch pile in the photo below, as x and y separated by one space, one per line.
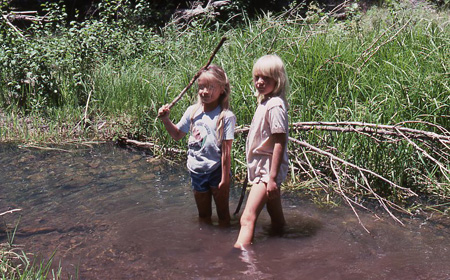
433 146
210 10
338 178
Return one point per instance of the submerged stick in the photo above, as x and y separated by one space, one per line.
241 199
10 211
198 73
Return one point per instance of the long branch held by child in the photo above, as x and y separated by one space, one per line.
211 126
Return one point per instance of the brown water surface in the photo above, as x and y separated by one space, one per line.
112 213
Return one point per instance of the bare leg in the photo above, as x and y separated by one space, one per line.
221 198
276 214
255 203
204 200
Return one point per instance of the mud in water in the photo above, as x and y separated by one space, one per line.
113 213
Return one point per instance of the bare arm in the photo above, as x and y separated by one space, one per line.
226 163
172 129
277 157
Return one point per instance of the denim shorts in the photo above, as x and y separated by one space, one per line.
204 182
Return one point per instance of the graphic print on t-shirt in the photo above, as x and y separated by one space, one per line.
200 134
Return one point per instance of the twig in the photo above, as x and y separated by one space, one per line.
198 73
241 198
369 49
10 211
254 38
348 200
45 148
443 169
151 145
12 26
442 129
382 44
370 128
86 109
330 155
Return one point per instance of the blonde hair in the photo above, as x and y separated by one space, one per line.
218 75
272 66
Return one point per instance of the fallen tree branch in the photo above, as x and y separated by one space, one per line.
335 176
23 17
331 156
391 130
209 9
12 26
150 146
382 201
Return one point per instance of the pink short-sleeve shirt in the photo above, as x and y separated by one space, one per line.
270 118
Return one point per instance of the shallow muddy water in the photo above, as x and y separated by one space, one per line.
113 213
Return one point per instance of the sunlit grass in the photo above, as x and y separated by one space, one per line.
15 264
386 67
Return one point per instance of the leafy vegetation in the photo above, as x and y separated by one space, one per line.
105 78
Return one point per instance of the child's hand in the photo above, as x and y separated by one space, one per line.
272 190
223 190
164 112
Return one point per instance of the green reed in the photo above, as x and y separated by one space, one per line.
17 265
384 67
373 71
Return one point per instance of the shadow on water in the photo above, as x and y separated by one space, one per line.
113 213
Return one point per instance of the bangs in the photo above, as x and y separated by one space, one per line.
208 77
264 69
273 67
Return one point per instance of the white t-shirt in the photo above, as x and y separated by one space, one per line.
204 150
270 118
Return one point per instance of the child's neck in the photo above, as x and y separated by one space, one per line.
267 97
210 106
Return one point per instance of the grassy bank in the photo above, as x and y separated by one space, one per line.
98 81
16 264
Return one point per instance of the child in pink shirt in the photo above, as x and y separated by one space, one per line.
266 148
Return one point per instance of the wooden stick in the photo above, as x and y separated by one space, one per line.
338 159
85 119
12 26
10 211
370 128
198 74
241 199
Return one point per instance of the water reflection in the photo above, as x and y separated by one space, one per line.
120 214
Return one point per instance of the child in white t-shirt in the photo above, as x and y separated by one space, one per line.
266 148
211 125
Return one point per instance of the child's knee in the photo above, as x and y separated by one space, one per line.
247 220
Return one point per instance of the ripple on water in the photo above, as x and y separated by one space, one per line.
121 214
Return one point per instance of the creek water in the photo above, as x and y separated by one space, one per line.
114 213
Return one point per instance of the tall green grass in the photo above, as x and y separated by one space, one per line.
386 66
15 264
382 69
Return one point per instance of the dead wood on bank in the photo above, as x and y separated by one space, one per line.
210 10
339 178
